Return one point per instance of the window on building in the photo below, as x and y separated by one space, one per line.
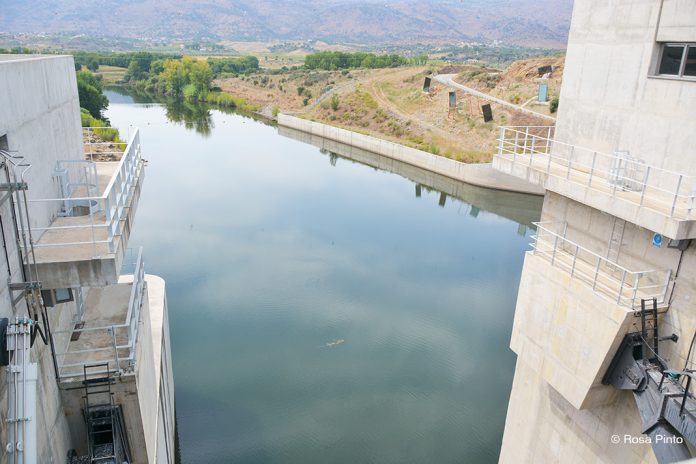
57 296
678 60
690 64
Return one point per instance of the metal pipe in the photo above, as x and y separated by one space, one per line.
686 394
555 244
594 160
669 276
623 280
676 195
575 258
113 337
24 391
594 282
15 374
94 238
635 289
526 138
13 213
645 185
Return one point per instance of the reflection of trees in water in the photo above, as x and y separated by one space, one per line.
196 116
193 115
333 157
136 95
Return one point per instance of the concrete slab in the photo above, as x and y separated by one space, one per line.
651 210
104 308
567 332
77 251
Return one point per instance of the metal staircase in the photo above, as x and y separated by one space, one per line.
649 330
107 442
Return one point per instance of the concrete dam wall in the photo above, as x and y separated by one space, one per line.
481 175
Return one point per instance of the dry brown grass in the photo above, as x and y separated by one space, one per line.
390 103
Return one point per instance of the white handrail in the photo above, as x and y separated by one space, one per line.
607 277
113 202
130 325
669 192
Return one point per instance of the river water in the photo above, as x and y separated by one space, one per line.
323 310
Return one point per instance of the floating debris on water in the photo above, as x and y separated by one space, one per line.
334 343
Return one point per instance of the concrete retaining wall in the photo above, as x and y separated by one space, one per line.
481 175
39 119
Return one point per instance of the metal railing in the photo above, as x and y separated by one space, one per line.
114 344
618 284
669 193
96 145
94 220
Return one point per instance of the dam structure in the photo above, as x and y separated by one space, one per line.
85 358
605 320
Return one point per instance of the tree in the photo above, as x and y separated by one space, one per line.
174 76
139 66
334 102
156 67
201 77
89 90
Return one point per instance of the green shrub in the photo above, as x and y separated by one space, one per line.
108 134
229 101
432 148
553 106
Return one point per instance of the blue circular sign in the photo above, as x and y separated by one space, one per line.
657 240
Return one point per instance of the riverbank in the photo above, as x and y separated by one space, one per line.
481 175
390 103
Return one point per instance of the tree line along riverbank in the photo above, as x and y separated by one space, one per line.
348 90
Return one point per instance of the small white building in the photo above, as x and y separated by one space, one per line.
85 366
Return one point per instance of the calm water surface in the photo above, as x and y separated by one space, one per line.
320 311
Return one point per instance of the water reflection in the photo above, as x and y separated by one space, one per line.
191 115
443 199
523 209
121 95
270 253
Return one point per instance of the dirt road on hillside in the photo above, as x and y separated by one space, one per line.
448 80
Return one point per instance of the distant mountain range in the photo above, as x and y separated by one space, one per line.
542 23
